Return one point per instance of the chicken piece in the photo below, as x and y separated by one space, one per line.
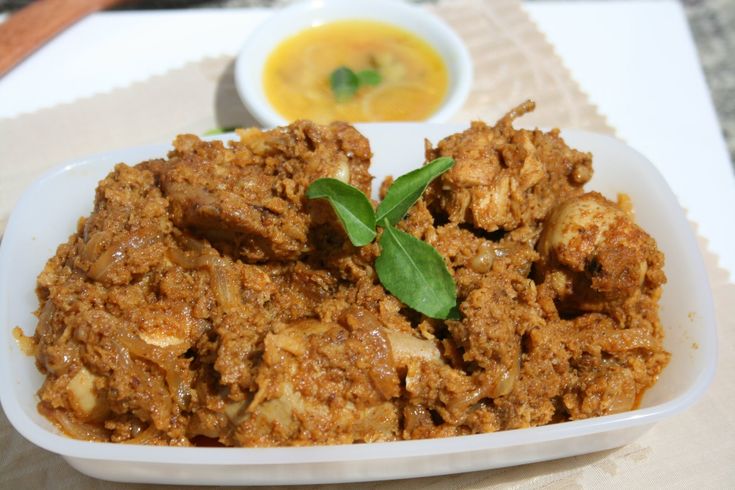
81 392
594 255
612 362
505 178
248 200
325 382
494 316
123 238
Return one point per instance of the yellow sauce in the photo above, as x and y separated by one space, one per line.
413 76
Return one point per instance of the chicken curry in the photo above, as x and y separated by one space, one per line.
207 301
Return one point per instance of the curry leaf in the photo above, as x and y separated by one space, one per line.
353 209
415 273
215 131
369 77
407 189
344 83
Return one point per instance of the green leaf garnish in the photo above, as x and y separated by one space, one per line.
414 272
214 131
345 82
407 189
353 209
369 77
410 269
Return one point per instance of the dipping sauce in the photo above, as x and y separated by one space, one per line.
406 78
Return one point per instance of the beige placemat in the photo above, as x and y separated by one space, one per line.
512 62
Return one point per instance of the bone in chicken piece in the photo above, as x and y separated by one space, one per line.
322 378
595 255
504 178
248 199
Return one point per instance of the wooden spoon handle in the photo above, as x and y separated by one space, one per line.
29 28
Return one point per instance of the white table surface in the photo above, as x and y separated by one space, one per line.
635 60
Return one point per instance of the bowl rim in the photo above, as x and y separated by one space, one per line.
340 453
272 31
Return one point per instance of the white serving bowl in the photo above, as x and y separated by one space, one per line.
47 214
297 17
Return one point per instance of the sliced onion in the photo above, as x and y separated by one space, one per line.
145 437
181 258
164 358
226 291
508 379
116 253
73 427
44 319
92 246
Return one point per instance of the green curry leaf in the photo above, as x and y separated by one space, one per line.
407 189
353 209
369 77
215 131
410 269
344 83
414 272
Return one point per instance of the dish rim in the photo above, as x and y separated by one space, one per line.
66 446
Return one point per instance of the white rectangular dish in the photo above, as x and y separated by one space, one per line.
47 214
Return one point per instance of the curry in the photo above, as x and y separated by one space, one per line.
207 301
405 78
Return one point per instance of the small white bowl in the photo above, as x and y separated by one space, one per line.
299 16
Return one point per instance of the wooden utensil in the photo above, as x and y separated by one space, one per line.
32 26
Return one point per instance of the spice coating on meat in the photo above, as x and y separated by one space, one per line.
506 178
595 254
205 301
249 199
